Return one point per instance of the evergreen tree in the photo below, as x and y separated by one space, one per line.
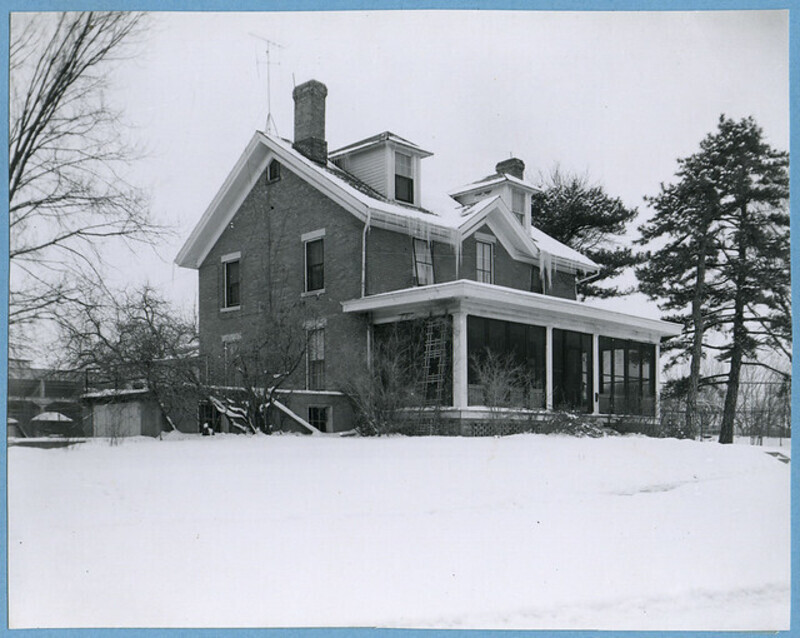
584 217
676 273
724 264
753 274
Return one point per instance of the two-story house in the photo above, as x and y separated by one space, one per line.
344 232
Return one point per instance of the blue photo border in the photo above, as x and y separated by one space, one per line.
9 6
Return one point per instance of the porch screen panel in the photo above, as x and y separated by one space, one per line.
521 344
572 370
627 377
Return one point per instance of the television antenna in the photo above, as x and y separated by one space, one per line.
270 124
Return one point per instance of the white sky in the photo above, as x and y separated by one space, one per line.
619 96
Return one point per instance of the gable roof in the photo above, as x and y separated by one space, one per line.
367 205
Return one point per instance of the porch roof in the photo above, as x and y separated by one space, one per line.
509 304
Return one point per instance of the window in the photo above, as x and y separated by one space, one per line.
315 265
232 284
403 178
230 354
315 355
521 345
485 264
518 206
318 417
423 262
627 382
274 171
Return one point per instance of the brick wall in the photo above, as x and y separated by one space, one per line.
267 232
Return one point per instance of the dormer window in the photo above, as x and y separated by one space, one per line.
518 206
403 178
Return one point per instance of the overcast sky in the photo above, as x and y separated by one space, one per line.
619 96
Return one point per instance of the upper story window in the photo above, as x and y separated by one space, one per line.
485 262
518 205
315 359
274 171
230 355
423 262
313 245
403 178
232 281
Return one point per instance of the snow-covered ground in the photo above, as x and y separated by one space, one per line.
524 531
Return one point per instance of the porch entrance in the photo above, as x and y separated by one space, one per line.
572 371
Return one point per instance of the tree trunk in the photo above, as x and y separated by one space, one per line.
697 343
737 350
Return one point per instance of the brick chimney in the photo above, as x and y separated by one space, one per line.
513 166
309 121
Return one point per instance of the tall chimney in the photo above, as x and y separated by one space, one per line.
513 166
309 121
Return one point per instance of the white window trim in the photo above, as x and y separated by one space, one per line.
485 238
416 262
313 235
308 353
225 260
315 324
491 246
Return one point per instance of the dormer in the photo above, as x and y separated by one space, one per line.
509 183
386 162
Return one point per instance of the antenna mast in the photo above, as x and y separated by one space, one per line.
270 124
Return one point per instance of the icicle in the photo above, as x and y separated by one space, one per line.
546 269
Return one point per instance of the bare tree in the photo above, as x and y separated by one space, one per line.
68 195
389 391
259 366
136 339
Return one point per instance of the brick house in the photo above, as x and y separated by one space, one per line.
343 233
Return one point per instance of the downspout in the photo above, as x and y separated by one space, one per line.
364 255
586 280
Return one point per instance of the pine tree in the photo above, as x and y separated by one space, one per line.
753 274
584 217
676 273
724 266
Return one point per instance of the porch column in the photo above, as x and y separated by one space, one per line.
548 365
595 373
460 359
657 376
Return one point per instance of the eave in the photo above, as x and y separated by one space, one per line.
508 304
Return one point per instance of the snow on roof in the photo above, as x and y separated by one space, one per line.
365 194
556 248
491 180
111 392
446 225
374 140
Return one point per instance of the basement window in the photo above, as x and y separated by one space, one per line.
403 178
423 262
318 416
